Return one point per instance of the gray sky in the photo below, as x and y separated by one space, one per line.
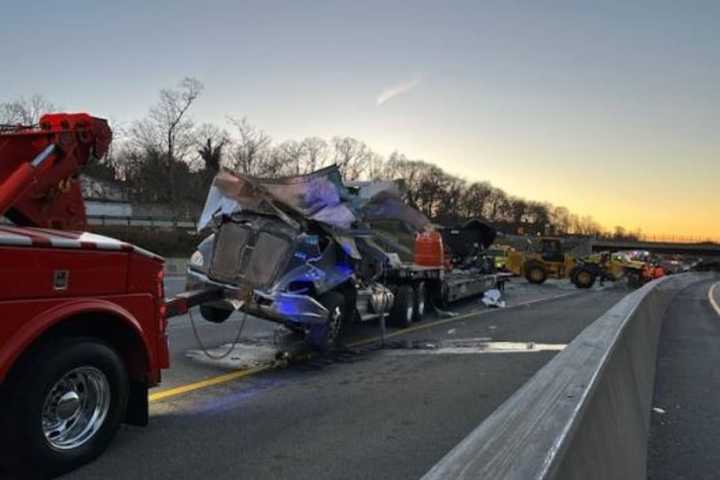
570 102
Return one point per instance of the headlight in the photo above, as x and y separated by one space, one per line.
197 260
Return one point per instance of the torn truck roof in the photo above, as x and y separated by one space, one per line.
320 196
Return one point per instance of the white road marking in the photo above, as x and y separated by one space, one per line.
711 297
484 347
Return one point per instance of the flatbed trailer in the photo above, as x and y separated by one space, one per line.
451 286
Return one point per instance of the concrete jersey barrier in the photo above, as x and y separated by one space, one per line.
586 413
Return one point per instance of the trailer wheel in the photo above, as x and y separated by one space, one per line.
403 310
327 336
214 314
66 402
584 277
535 272
420 297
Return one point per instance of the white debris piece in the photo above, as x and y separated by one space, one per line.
452 331
493 298
659 410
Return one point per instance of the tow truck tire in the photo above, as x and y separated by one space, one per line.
420 297
64 405
327 336
535 273
214 314
403 310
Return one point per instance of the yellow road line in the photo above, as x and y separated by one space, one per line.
711 297
229 377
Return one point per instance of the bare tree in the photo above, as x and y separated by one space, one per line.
289 156
168 130
211 141
474 199
375 167
250 152
351 156
316 153
560 219
25 111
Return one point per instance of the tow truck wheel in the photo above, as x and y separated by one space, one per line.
420 298
327 336
65 405
403 310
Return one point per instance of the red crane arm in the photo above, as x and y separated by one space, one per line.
39 169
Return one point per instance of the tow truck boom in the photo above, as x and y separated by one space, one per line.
39 167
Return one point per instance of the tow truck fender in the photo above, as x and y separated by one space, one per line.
14 346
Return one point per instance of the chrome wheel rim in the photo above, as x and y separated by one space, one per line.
75 408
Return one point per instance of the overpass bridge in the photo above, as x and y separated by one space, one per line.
700 249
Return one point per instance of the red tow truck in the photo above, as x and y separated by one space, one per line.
82 316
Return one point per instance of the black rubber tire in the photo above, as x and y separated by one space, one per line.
420 302
584 277
535 273
25 450
403 309
325 337
214 314
634 278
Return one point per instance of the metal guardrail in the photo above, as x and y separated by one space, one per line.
142 222
586 413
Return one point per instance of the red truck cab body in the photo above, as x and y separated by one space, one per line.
50 278
90 293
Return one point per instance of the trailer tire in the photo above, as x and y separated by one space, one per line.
420 297
327 336
214 314
65 403
403 310
535 273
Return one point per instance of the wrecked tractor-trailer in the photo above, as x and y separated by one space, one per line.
313 253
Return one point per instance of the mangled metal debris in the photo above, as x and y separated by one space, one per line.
312 252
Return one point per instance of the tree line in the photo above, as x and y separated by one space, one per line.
168 158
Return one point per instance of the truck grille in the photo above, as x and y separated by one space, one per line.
243 256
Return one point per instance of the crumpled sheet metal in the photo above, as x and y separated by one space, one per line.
319 196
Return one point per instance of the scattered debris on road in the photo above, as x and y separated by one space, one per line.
493 299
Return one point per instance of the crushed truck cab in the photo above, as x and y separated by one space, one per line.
313 253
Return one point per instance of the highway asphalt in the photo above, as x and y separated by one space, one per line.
686 418
370 413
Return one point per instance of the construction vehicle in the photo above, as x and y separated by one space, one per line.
549 260
82 316
500 255
312 254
